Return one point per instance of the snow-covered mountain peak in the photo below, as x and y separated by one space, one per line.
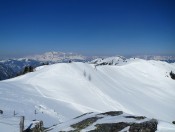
116 60
57 57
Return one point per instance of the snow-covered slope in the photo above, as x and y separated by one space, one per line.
59 92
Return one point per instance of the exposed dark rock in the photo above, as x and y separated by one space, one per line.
85 123
113 127
112 113
1 111
82 115
102 64
147 126
136 117
172 75
173 122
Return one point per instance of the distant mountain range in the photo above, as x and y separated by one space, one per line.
57 57
6 72
169 59
11 67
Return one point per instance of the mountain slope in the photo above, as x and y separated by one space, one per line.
5 72
11 67
63 91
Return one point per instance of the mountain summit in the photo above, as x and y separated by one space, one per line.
57 57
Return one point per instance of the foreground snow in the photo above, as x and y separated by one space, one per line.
60 92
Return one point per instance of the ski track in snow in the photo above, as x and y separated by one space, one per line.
72 103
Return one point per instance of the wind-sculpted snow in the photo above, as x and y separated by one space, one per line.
59 92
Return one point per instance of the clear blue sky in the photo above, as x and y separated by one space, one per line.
90 27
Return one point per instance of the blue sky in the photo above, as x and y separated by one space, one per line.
89 27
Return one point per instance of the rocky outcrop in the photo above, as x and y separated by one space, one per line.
172 75
112 121
112 113
85 123
147 126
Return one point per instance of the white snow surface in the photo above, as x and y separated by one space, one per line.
62 91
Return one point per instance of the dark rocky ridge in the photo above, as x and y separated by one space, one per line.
147 126
139 123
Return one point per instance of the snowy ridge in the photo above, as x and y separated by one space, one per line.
109 60
60 92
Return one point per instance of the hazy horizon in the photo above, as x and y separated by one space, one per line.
15 56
